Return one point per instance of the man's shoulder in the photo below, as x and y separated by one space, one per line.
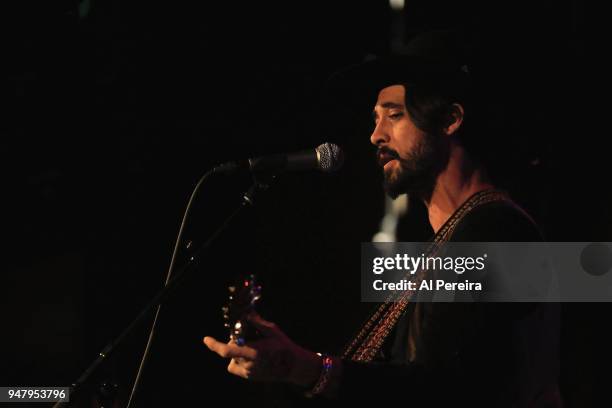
499 221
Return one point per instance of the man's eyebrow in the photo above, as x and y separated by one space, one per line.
392 105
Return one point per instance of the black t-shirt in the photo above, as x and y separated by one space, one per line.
481 354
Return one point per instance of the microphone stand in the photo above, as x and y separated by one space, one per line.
164 294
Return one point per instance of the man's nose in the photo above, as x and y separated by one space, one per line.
379 135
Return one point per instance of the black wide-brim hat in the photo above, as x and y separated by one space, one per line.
435 57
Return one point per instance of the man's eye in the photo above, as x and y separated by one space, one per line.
396 115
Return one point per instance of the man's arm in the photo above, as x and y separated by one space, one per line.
277 358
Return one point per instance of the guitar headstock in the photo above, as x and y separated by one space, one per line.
242 300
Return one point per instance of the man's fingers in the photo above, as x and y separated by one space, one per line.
238 369
230 350
212 344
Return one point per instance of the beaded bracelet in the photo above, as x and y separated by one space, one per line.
321 383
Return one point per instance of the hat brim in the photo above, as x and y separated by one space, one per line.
356 87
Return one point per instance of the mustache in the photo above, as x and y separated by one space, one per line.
386 151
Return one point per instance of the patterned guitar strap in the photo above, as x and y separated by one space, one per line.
366 345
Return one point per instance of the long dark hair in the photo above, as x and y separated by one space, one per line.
484 133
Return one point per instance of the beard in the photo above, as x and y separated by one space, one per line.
417 173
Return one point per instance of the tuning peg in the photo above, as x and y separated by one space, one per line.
225 309
231 289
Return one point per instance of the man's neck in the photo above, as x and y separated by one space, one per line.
454 185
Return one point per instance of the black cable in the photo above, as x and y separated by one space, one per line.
169 274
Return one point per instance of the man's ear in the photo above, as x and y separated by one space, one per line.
455 119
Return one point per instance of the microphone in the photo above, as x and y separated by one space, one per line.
327 157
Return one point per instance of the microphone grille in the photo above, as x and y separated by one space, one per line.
331 157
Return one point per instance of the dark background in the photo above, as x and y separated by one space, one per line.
113 110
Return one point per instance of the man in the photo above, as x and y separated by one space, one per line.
481 354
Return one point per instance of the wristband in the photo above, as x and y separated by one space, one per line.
321 383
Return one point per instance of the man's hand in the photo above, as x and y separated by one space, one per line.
274 357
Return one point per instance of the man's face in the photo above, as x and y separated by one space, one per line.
411 158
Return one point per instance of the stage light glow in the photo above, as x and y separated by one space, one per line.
396 5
